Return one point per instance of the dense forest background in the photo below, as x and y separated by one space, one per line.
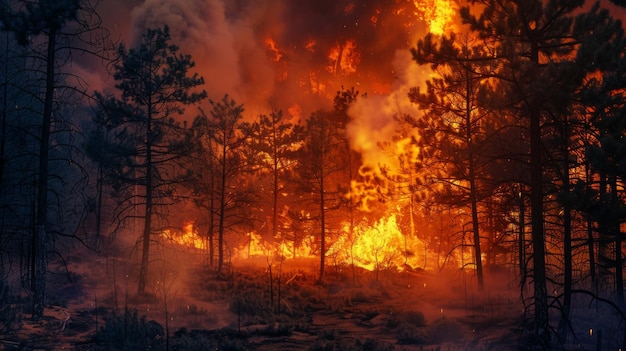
495 140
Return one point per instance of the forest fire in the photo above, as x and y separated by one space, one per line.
275 174
373 243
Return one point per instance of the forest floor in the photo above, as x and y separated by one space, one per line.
251 309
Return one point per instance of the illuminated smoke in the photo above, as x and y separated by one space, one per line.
227 51
374 119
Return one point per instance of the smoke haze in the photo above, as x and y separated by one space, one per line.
292 55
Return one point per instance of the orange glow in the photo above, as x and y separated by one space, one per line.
378 246
438 14
273 52
310 45
381 245
187 237
255 246
295 111
377 242
344 58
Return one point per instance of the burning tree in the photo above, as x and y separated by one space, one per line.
275 142
222 137
146 147
454 127
321 161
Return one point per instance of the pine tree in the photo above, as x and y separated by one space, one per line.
40 26
149 146
224 138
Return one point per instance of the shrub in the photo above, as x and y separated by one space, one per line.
334 345
446 330
202 343
410 334
200 340
279 329
374 345
10 312
129 332
415 318
350 345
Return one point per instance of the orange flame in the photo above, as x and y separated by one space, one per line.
188 237
344 58
438 14
379 246
273 52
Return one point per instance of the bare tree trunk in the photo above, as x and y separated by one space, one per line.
323 229
567 246
220 230
275 185
147 226
521 240
617 234
540 296
40 239
5 109
472 181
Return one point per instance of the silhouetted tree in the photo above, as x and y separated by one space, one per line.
146 155
224 139
455 126
321 158
51 31
275 142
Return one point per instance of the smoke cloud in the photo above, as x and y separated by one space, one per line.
225 49
277 53
375 117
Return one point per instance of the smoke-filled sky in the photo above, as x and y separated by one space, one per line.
276 52
295 54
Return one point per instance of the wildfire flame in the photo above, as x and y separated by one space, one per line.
344 58
438 14
188 237
381 245
373 243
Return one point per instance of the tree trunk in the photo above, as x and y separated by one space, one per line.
212 218
99 185
542 332
521 238
40 239
472 182
323 229
222 204
147 227
567 247
617 234
5 109
275 185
